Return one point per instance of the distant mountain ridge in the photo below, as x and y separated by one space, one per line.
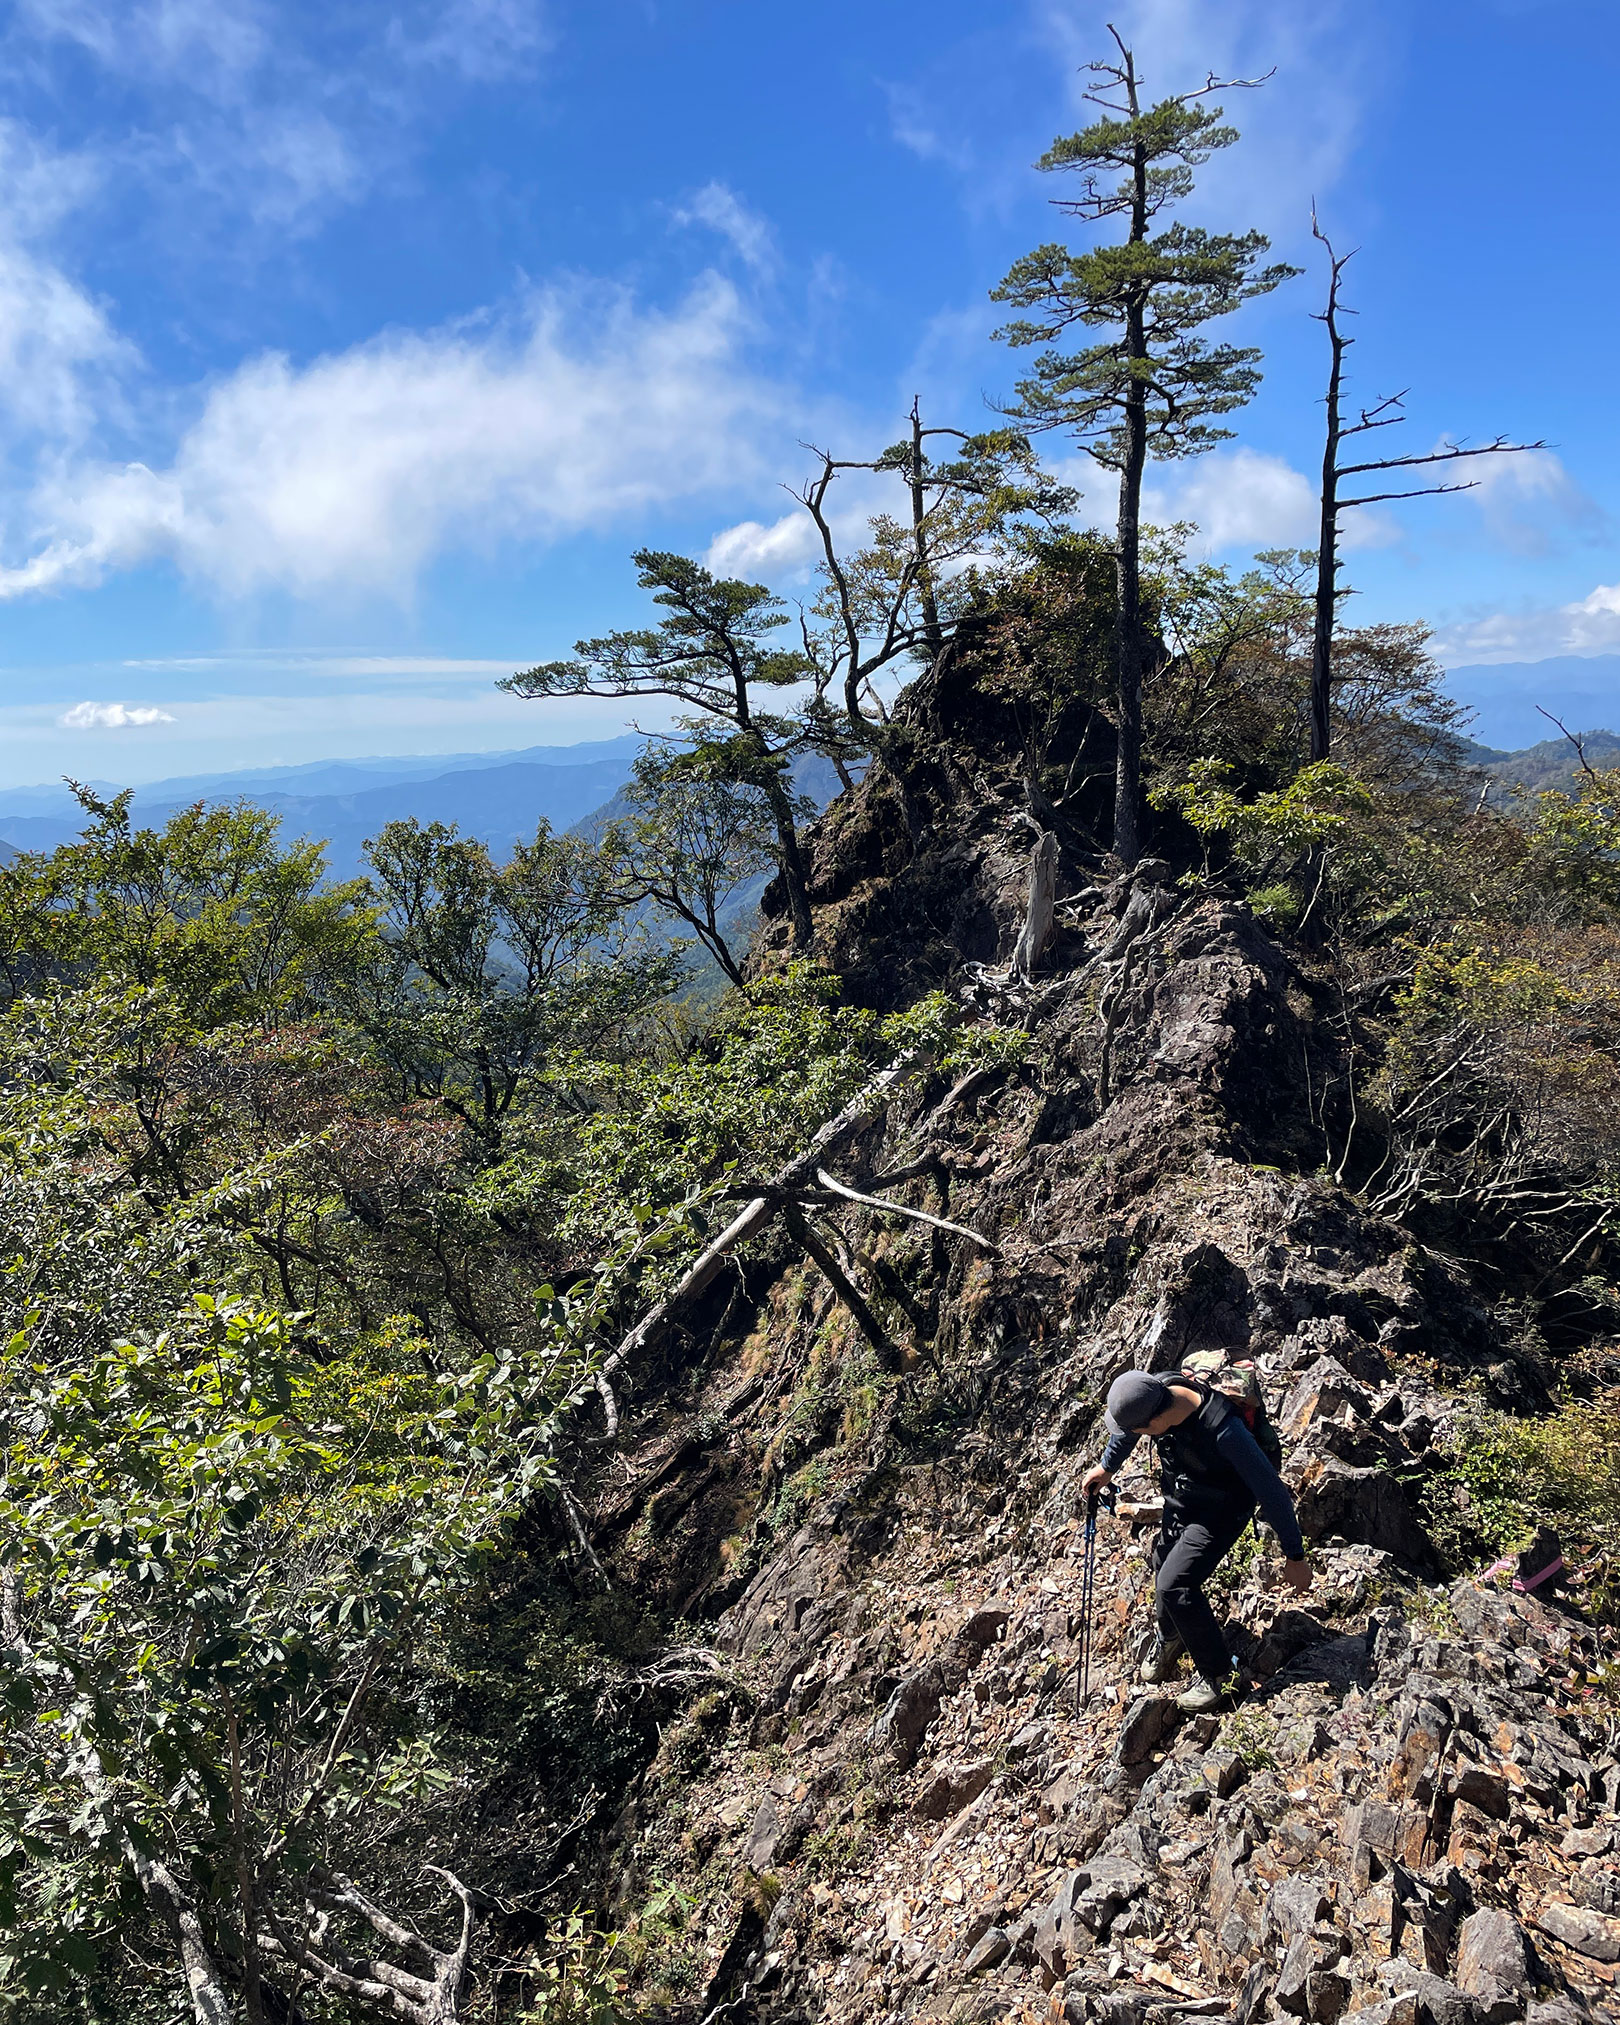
1506 696
1554 763
499 797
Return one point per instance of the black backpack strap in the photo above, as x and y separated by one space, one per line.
1215 1409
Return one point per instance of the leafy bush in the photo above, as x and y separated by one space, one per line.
1505 1477
577 1980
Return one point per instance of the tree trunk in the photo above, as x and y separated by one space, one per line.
793 876
1128 563
1327 545
1128 643
932 631
1037 929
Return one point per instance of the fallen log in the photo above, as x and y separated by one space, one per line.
782 1187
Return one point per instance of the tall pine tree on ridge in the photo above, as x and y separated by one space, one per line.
1153 386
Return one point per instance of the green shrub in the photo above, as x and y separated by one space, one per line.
1252 1735
578 1982
1505 1477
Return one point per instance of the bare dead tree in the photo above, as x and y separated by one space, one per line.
1575 740
902 595
1383 414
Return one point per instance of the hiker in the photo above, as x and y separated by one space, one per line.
1213 1474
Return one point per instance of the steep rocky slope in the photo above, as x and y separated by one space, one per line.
889 1804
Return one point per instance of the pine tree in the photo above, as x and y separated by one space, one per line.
1152 386
713 652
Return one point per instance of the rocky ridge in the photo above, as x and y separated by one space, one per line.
891 1806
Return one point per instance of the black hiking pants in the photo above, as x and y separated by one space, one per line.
1192 1544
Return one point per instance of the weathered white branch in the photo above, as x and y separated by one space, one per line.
786 1183
835 1187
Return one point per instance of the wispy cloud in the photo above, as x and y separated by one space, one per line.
211 44
923 130
252 662
285 166
248 112
59 352
723 211
1529 502
346 477
111 716
1589 625
485 40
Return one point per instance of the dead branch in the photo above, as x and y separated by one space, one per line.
1575 740
582 1539
610 1406
431 1999
340 1894
787 1183
835 1187
804 1233
177 1908
959 1092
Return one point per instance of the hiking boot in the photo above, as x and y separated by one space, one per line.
1163 1662
1205 1695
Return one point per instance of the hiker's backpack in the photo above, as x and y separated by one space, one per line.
1237 1380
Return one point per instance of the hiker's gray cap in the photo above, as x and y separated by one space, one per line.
1133 1401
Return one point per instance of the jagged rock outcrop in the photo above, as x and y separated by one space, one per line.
1410 1820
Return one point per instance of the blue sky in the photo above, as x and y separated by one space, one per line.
347 349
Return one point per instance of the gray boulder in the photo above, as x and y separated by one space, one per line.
1493 1964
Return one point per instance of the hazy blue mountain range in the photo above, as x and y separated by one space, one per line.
498 796
1579 688
501 796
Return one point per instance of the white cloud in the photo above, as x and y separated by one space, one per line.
1246 499
111 716
485 40
724 212
1589 625
57 348
785 551
788 547
348 475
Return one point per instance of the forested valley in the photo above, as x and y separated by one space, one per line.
542 1421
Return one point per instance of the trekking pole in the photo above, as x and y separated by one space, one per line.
1088 1586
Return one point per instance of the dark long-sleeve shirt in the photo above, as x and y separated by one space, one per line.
1243 1453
